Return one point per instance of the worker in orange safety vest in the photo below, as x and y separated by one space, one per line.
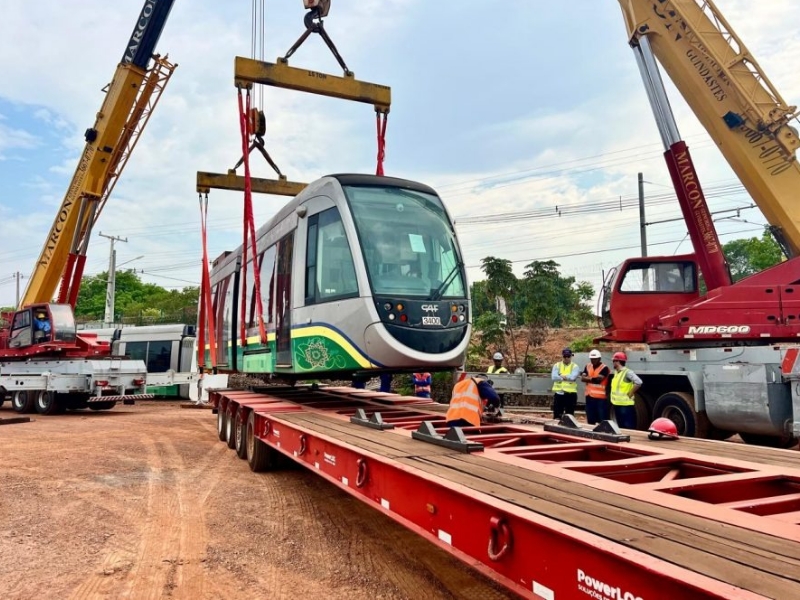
471 397
597 377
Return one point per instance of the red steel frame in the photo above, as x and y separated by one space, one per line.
499 538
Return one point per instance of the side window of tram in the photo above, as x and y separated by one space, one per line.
330 270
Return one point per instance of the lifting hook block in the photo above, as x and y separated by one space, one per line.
498 530
361 477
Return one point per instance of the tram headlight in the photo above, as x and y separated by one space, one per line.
391 317
387 306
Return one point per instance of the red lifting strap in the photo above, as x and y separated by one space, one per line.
249 230
206 305
380 120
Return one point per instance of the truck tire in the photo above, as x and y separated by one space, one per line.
769 441
221 424
678 407
260 457
230 426
23 401
47 403
239 434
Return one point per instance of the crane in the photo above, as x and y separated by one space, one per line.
44 362
130 99
749 121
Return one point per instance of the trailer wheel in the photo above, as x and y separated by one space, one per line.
221 424
23 401
239 434
260 457
678 407
230 425
47 403
769 441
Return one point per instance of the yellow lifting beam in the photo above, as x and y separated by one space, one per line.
231 181
248 71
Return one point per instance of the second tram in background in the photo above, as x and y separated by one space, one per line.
359 275
163 348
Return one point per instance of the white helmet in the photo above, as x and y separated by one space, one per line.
595 354
497 356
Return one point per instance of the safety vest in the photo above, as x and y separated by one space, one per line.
596 390
570 387
620 388
492 369
421 388
465 403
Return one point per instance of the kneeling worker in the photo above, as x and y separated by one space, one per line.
468 401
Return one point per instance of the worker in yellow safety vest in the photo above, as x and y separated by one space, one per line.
497 367
470 397
623 389
596 376
565 385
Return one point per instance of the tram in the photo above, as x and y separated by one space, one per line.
359 275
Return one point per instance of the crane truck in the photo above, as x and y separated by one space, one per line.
721 356
57 367
723 361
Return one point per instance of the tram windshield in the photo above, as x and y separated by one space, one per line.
408 243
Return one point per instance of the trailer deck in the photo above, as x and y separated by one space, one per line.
547 515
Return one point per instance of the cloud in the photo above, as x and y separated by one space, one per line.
500 110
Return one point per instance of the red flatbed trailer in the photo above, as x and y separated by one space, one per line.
548 515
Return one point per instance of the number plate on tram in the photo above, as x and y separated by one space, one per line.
431 321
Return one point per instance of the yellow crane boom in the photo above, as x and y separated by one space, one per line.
733 99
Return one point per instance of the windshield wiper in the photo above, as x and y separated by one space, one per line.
447 281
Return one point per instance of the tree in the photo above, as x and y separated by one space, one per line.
542 299
134 298
748 256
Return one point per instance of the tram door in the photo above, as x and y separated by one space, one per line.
283 303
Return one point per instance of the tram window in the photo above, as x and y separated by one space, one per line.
330 270
408 242
268 283
136 351
158 357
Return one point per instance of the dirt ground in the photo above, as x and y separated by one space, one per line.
144 502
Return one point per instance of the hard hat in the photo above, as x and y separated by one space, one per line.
566 352
620 356
662 428
595 354
40 314
497 356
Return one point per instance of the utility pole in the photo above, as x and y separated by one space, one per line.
642 223
18 275
108 319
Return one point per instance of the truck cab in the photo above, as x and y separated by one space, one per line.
40 325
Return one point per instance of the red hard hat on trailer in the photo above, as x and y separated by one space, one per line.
662 428
620 356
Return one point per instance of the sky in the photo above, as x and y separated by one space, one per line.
513 110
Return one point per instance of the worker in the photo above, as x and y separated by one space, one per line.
565 387
497 367
623 388
41 326
386 383
471 397
422 385
596 376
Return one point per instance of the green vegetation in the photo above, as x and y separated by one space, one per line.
751 255
540 300
136 302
